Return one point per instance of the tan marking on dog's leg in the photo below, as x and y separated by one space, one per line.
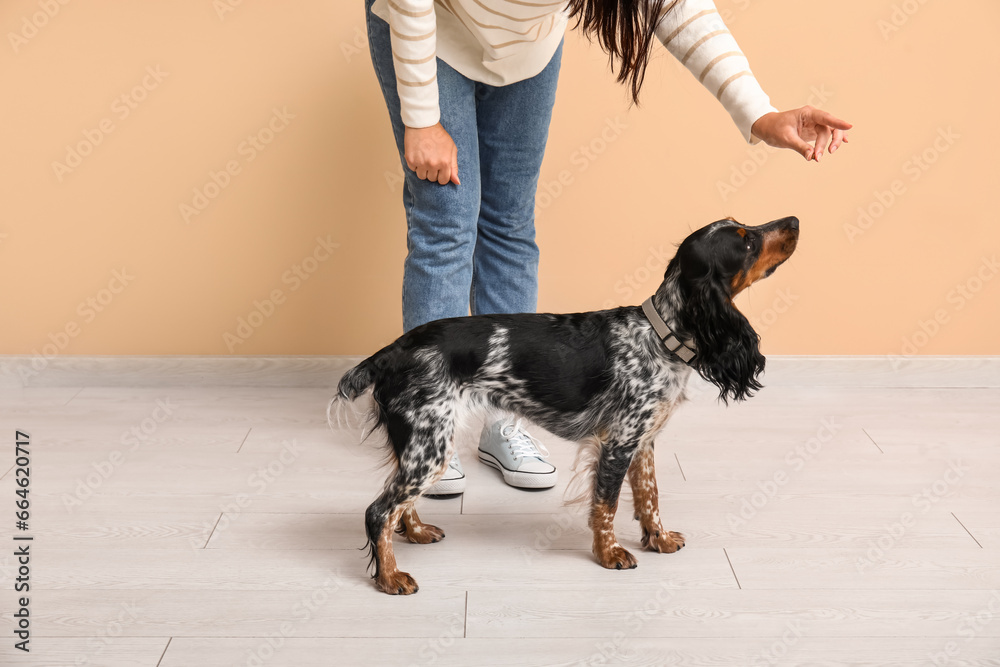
646 499
416 531
609 553
390 580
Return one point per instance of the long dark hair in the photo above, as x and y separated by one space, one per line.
625 29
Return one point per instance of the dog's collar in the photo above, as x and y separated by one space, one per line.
684 349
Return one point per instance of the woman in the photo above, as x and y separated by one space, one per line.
470 85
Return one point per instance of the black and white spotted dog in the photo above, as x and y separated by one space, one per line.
611 377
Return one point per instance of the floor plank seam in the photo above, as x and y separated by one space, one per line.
732 569
213 530
465 630
865 431
683 476
158 662
73 396
967 530
243 442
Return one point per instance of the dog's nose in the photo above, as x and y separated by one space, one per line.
793 222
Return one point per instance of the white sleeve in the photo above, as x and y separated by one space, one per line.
694 32
413 34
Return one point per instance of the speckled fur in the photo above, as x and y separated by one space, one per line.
603 377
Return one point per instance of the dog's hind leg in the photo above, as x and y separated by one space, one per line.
612 465
423 456
380 516
416 531
646 498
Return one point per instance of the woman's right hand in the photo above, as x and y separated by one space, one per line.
431 154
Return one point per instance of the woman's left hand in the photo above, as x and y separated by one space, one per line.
795 129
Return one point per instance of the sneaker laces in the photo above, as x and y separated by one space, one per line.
521 443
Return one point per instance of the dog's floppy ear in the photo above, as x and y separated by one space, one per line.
728 352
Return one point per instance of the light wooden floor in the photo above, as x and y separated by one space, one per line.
848 515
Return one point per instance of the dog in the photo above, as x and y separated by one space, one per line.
610 378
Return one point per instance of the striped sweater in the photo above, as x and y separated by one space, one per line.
503 41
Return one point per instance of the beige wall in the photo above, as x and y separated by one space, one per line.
96 256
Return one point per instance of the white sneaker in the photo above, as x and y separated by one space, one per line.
518 456
452 482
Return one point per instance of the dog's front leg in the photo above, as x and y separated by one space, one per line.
646 498
612 464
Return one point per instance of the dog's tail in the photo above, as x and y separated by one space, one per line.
342 411
357 380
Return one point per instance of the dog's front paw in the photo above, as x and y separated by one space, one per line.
662 541
616 557
397 583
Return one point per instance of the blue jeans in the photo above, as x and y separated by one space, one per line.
472 246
